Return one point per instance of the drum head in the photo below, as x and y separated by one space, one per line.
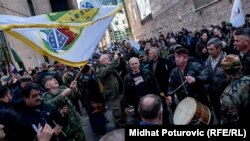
185 111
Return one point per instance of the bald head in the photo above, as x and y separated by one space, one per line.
115 135
150 106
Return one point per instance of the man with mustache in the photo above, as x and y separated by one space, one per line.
36 114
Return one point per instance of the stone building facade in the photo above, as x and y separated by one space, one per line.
173 15
26 8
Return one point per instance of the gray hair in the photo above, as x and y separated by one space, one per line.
172 40
133 59
214 41
102 57
155 50
44 65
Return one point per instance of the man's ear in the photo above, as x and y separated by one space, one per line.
47 85
25 99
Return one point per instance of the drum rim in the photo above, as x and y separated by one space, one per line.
193 112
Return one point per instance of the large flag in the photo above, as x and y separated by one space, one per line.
237 17
69 37
90 4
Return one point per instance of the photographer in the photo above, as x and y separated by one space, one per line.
110 78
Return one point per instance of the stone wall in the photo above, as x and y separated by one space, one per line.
174 15
41 6
14 7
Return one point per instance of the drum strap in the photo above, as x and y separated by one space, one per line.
184 82
184 86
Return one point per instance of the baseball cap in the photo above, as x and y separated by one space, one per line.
142 53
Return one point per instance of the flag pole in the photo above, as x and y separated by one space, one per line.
80 71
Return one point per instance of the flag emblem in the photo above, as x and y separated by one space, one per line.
236 12
56 39
69 37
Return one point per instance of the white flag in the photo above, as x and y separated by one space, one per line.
69 37
90 4
237 17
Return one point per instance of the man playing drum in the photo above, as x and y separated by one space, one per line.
177 80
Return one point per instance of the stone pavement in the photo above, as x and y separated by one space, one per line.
90 136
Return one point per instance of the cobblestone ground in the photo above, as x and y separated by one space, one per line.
87 127
110 124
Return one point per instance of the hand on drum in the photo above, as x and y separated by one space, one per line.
169 100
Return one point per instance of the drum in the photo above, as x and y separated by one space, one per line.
191 111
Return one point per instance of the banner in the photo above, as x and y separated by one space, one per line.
90 4
69 37
237 17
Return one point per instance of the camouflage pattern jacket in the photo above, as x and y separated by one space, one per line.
235 102
75 122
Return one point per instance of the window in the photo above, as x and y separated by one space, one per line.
31 8
109 2
198 4
59 5
144 8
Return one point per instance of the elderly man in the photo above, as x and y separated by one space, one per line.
177 79
112 82
59 97
160 69
150 109
137 84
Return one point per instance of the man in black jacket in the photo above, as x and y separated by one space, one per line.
242 42
35 113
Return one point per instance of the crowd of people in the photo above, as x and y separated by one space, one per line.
141 87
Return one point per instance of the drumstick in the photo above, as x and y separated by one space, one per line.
162 94
178 87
